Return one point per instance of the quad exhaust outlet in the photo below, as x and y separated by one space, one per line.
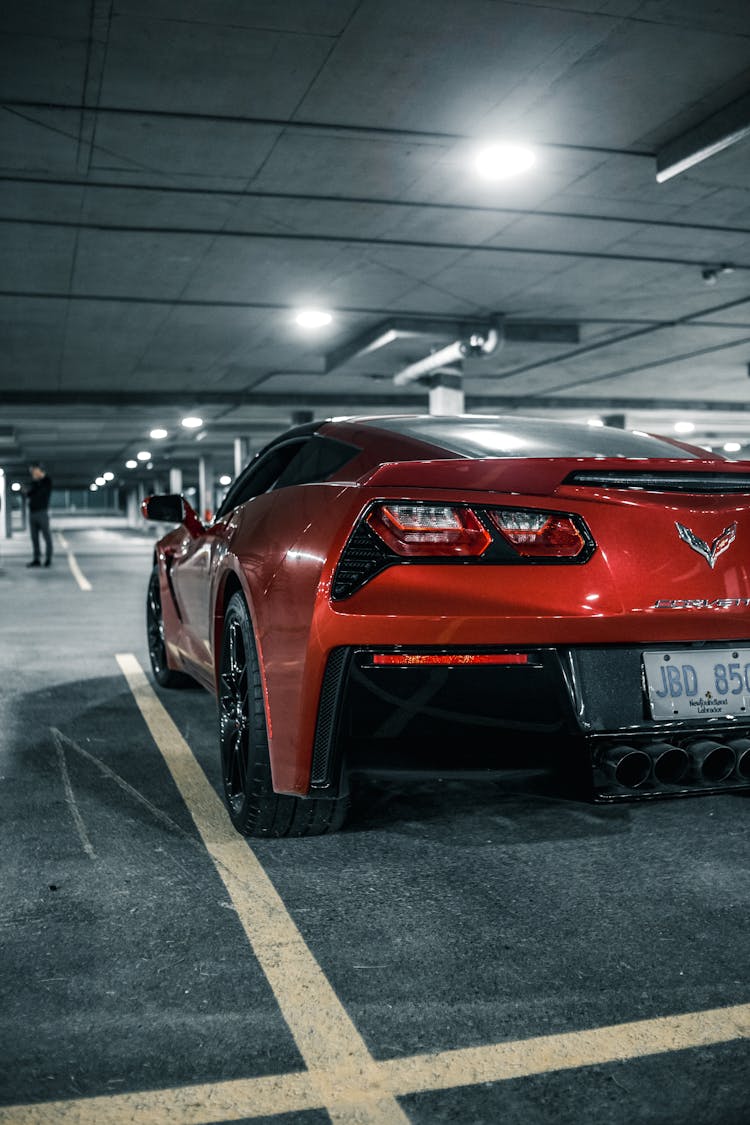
662 767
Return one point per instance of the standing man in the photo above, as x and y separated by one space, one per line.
38 494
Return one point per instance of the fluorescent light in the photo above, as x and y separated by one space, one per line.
313 318
93 488
684 427
594 422
731 447
225 480
159 433
501 161
108 476
143 455
15 487
131 464
192 422
100 481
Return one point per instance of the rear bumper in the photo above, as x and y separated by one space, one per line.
584 706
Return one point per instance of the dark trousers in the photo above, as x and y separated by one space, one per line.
39 521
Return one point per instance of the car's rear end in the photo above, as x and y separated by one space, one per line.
582 603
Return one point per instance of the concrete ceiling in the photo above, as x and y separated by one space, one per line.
178 176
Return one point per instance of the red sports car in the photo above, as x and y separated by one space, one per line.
414 590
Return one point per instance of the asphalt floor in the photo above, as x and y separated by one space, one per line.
448 916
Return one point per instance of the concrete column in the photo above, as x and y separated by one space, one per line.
446 394
205 486
133 508
175 480
241 455
6 526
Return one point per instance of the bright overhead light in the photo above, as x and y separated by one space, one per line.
159 433
93 488
143 455
131 464
731 447
100 481
192 422
684 427
15 487
594 422
108 476
313 318
501 161
225 480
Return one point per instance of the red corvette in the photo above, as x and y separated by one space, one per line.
410 590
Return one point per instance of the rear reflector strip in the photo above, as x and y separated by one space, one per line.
402 658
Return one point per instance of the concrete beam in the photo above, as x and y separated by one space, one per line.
727 127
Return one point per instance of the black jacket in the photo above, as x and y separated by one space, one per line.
38 493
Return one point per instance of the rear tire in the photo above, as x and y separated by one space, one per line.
157 649
254 808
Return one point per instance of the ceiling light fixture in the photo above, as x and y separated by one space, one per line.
684 427
225 480
731 447
100 482
108 476
131 464
159 433
501 161
313 318
192 422
15 487
93 488
143 455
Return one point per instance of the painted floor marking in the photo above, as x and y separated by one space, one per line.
322 1029
342 1077
293 1093
75 569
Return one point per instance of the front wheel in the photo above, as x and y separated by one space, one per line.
157 649
254 808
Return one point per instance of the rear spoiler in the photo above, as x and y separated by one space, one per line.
545 475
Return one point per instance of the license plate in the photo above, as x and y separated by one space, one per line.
692 685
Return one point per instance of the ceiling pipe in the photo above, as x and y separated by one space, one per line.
479 344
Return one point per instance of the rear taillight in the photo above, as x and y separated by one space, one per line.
537 535
424 530
454 659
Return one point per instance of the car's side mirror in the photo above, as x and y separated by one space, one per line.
171 508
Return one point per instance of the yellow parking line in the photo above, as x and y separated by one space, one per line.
322 1029
296 1092
521 1058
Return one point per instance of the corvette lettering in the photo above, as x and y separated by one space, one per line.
701 603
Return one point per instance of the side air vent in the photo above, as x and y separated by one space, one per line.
364 556
662 482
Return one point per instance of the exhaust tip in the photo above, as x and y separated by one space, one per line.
670 763
741 748
712 761
632 769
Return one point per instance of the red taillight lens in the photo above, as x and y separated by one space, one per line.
420 530
537 535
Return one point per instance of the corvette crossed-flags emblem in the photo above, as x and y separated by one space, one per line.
718 547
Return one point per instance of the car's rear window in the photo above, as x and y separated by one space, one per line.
476 436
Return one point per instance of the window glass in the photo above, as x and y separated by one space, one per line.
261 474
316 460
486 436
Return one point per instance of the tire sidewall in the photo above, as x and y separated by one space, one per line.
258 776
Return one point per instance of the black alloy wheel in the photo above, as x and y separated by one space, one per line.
255 809
157 649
